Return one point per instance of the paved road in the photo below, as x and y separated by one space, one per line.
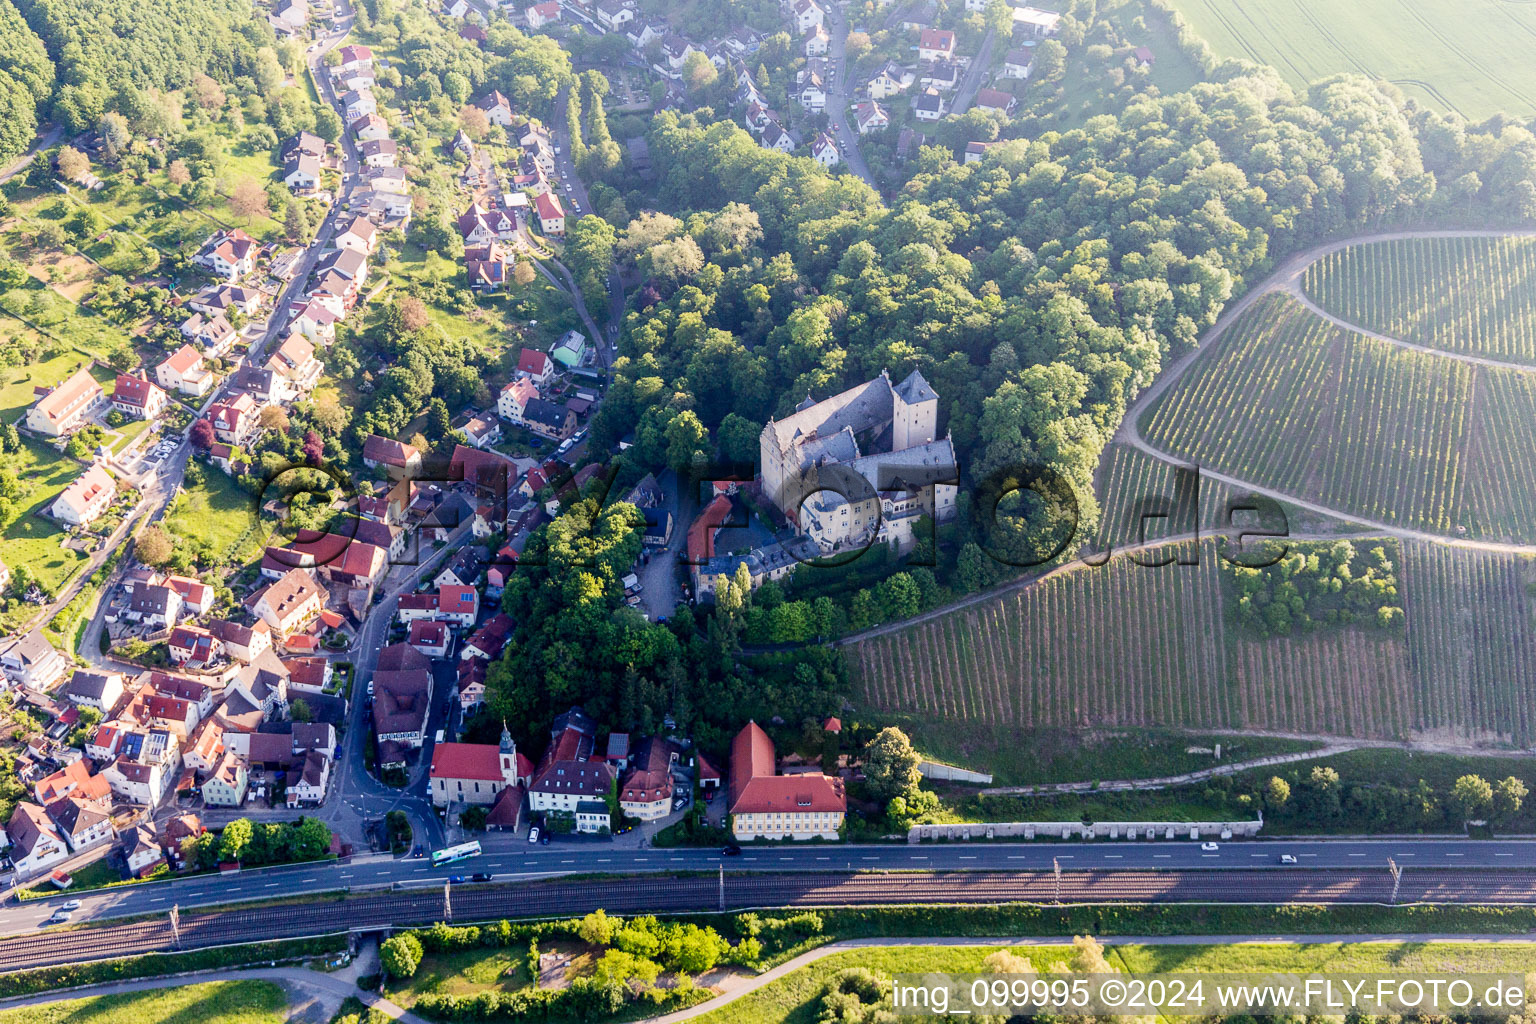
581 857
839 101
49 135
971 83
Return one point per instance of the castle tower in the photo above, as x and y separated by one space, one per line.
508 757
914 413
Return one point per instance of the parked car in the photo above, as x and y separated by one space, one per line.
731 849
533 834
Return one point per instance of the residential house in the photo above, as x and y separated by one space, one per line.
824 150
370 128
308 675
141 851
31 661
890 80
67 407
567 779
430 638
184 372
535 365
936 44
84 500
1018 62
308 779
816 41
220 299
75 779
549 420
133 395
646 791
360 236
136 782
379 152
464 570
481 225
354 56
942 75
807 15
476 773
764 804
215 334
83 824
396 455
996 100
229 255
480 431
551 215
488 267
295 362
227 782
301 172
974 151
316 321
99 690
358 104
515 397
870 117
291 603
813 94
614 14
487 642
36 845
243 643
928 105
540 15
498 109
235 420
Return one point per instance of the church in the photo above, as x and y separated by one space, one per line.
862 466
476 773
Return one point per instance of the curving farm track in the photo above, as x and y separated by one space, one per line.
377 910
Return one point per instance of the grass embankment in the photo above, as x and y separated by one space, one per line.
223 1002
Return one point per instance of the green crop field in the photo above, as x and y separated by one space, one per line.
1471 56
1124 645
1468 295
1293 403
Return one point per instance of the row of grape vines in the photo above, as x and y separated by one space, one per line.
1468 295
1471 648
1293 403
1126 645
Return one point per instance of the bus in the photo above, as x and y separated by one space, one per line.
450 854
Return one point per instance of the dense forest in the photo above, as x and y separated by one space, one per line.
26 80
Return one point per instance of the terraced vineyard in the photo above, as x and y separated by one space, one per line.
1327 415
1475 296
1125 645
1127 476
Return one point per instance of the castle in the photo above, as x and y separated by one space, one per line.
862 466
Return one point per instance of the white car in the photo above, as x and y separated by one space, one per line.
1287 858
1209 847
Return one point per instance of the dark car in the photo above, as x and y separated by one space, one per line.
418 852
481 876
731 850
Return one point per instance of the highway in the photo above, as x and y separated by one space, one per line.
522 861
710 891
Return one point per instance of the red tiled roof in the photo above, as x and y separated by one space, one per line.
701 534
473 761
756 789
532 361
131 390
456 600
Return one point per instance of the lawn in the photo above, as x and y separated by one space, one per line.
94 875
464 973
795 998
1023 756
228 1002
17 382
29 539
217 520
1471 56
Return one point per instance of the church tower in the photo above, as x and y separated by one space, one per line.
508 757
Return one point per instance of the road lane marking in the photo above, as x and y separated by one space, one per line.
1455 855
1503 855
1357 855
1210 856
925 858
270 885
967 858
823 858
1258 855
1114 856
1161 856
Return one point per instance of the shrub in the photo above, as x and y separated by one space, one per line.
401 955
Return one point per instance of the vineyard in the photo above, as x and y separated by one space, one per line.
1294 403
1127 477
1125 645
1475 296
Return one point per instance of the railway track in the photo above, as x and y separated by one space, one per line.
652 894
